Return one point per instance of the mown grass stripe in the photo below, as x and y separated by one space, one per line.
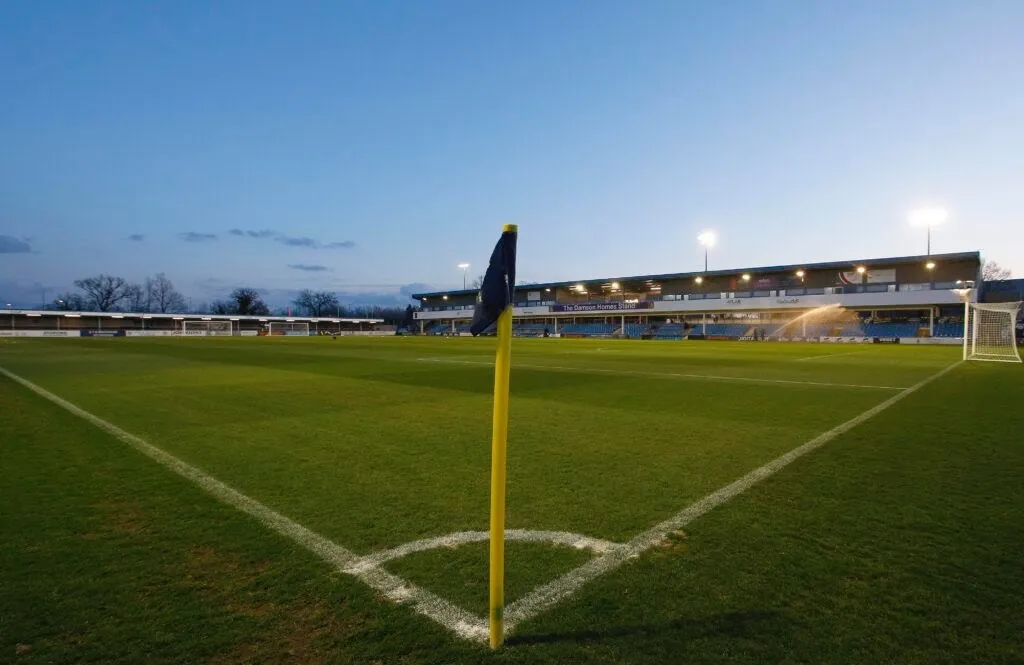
663 375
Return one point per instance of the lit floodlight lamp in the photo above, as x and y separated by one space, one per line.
547 290
699 280
465 270
928 217
707 240
861 270
444 297
615 286
800 274
579 287
745 277
930 265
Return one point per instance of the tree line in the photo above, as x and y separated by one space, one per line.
326 304
156 294
109 293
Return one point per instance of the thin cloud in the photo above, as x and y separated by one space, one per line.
12 245
264 233
297 241
192 236
136 237
307 267
291 241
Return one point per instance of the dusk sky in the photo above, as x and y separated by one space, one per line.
368 147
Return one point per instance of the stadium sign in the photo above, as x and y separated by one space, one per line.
601 306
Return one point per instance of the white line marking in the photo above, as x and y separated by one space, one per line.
547 595
459 621
662 375
563 538
450 616
829 355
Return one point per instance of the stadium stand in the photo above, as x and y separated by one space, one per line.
671 331
891 329
588 329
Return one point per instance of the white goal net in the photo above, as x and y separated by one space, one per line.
207 328
296 328
991 332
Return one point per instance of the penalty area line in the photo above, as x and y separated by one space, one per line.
547 595
398 590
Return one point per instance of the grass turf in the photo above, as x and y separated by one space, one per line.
898 542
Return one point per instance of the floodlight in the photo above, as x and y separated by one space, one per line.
861 269
707 239
800 274
615 286
464 266
928 216
444 297
699 280
930 265
746 277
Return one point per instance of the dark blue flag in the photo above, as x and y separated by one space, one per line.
499 282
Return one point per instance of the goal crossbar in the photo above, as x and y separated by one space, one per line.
207 328
292 328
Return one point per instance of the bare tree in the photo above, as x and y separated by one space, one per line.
222 307
163 298
477 282
316 303
993 272
103 292
69 302
136 298
244 300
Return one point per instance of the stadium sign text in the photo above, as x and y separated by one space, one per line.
601 306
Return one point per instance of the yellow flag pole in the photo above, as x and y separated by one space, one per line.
499 440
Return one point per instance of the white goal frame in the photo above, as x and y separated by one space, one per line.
990 331
288 328
207 328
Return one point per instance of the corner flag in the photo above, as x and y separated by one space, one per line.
495 304
499 282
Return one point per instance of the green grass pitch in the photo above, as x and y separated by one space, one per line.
901 540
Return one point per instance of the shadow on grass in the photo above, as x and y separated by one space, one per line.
730 624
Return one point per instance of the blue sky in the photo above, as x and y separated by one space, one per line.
368 147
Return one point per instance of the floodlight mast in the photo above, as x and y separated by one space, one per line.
707 240
928 217
465 269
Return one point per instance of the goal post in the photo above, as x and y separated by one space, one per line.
990 331
193 328
290 328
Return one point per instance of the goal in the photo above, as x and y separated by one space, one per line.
296 328
207 328
990 332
